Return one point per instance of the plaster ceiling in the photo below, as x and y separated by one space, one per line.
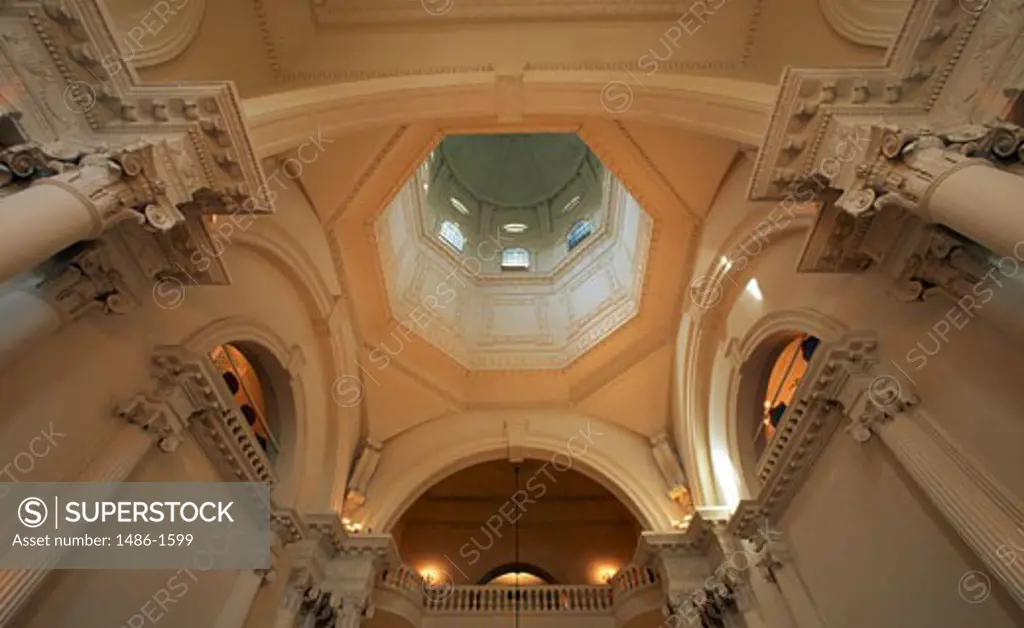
272 46
512 170
624 377
487 317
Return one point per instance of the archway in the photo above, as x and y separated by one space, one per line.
617 459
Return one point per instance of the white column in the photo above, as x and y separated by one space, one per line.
982 202
236 607
27 319
57 212
982 514
114 464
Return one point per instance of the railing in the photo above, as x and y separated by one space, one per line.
632 578
402 579
528 599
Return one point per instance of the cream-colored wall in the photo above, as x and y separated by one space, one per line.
570 552
67 387
114 598
873 552
871 548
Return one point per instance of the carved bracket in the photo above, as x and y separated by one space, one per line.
804 430
217 424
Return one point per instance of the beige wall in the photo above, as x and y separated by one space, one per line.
113 598
873 552
463 525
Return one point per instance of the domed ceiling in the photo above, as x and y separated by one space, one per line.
530 188
513 171
584 242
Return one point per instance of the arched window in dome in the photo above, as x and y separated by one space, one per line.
247 391
783 379
578 232
515 258
451 234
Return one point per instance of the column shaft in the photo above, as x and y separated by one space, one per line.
983 516
55 213
114 464
27 319
984 204
236 607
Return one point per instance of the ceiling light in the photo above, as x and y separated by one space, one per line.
726 263
515 227
457 204
571 205
754 290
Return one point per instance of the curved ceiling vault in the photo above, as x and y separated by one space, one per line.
621 372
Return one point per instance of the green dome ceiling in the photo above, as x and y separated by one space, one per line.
514 171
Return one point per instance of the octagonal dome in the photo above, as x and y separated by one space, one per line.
577 274
512 171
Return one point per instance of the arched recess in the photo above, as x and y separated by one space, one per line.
150 36
336 344
616 458
699 341
866 22
728 108
750 359
272 358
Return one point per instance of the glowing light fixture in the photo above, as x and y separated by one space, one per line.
515 227
571 205
457 204
725 263
754 290
605 573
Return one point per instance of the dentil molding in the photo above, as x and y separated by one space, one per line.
948 65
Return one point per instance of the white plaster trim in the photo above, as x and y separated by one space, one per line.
618 459
733 109
866 22
174 33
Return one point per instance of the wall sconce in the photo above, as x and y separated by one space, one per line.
605 573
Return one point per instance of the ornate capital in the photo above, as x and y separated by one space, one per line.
873 402
165 413
85 282
941 263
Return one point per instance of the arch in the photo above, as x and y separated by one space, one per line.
175 29
616 458
697 345
336 343
730 108
271 356
529 568
749 359
866 22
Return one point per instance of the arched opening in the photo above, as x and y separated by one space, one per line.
517 574
768 381
248 375
497 522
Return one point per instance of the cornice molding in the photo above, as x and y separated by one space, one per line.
80 64
944 67
389 13
834 388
